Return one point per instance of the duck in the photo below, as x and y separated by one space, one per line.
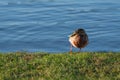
78 39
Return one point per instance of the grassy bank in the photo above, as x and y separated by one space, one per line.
62 66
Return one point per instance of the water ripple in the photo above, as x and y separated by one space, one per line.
45 26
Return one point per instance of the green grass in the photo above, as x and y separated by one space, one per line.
61 66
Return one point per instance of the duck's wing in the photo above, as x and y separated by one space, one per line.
73 34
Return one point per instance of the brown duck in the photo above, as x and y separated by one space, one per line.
78 39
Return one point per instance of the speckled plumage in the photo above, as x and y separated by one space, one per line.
78 39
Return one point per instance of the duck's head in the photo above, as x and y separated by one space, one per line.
79 31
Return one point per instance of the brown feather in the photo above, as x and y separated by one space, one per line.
79 39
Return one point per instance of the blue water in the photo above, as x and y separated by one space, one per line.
44 25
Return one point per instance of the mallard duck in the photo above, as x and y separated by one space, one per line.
78 39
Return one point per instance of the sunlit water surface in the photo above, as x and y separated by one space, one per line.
44 25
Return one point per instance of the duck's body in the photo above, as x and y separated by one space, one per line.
78 39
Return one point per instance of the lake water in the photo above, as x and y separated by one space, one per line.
44 25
